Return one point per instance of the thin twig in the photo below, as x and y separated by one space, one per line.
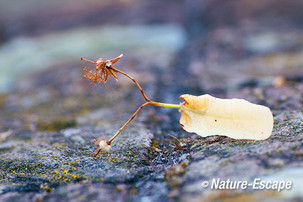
129 120
138 85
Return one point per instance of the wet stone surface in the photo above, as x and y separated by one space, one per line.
50 115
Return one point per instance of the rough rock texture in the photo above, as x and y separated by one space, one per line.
50 115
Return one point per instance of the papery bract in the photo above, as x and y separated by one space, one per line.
235 118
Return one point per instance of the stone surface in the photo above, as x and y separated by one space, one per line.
50 115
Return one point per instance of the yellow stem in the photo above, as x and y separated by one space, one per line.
159 104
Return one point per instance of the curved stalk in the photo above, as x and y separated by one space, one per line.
138 85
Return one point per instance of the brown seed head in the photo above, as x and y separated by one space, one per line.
102 70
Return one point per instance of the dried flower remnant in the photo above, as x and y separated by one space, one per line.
102 70
204 115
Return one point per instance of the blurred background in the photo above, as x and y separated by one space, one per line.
232 48
184 46
37 35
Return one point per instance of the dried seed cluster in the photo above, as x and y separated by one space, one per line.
103 70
